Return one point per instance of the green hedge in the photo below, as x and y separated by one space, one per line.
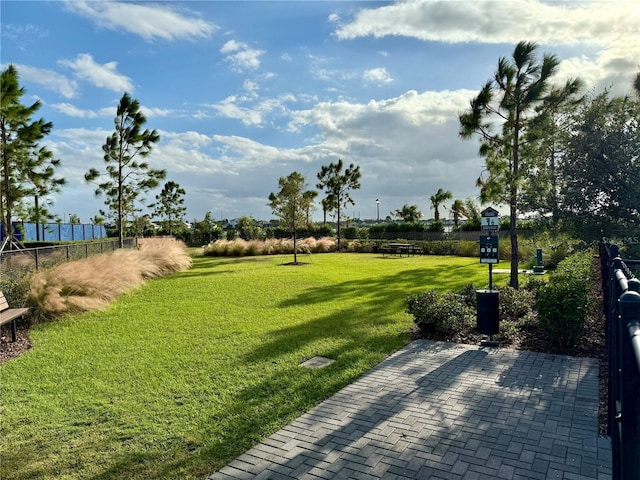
564 302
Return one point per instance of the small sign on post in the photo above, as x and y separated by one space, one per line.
490 222
489 249
489 253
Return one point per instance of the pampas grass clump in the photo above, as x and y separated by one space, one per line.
270 246
91 283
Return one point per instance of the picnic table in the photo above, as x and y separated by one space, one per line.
399 249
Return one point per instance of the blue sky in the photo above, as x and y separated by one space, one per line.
243 93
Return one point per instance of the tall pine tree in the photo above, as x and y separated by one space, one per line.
27 169
500 115
126 177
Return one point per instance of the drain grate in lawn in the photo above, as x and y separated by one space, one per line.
317 362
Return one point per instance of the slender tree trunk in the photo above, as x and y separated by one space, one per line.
295 248
513 207
7 200
120 213
6 183
339 224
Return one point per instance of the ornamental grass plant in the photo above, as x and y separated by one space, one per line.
93 282
271 246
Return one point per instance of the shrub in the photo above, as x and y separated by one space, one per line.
434 313
469 248
442 247
15 288
436 227
534 285
563 302
350 232
468 295
508 330
514 304
377 231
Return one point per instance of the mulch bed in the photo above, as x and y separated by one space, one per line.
9 349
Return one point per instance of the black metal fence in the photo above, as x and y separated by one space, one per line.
16 262
622 308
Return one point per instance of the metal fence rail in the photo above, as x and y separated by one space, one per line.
19 262
622 308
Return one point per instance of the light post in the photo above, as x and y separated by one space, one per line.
378 209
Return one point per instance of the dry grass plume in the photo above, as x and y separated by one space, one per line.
91 283
270 246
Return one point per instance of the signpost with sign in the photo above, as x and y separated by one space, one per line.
489 251
488 321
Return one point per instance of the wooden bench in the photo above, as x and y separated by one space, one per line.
10 315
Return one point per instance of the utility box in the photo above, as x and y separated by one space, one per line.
539 267
488 312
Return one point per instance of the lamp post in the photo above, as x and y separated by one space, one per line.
378 209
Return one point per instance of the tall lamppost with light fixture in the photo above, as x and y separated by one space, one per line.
378 209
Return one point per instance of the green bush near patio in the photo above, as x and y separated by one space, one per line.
176 378
564 302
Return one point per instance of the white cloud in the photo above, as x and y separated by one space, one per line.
82 135
611 29
228 108
103 76
150 21
410 109
49 79
156 112
377 75
73 111
250 86
247 153
245 58
410 140
233 46
191 139
231 107
498 22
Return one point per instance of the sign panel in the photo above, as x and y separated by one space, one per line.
490 221
489 252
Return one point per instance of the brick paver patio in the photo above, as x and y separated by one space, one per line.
438 410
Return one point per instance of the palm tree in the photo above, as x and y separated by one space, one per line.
408 213
458 210
438 199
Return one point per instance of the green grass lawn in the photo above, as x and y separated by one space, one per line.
187 372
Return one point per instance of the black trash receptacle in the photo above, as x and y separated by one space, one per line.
488 315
